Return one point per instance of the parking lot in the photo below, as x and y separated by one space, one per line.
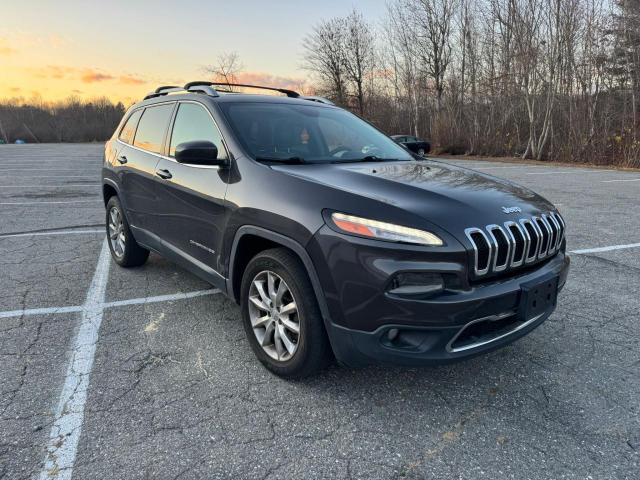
146 373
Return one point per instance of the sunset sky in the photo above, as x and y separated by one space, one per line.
123 49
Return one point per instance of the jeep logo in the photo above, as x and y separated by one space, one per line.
511 209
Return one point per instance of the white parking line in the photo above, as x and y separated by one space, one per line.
606 249
57 170
67 427
53 186
55 232
622 180
162 298
57 176
52 164
40 311
506 167
118 303
47 203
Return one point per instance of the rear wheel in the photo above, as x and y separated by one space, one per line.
281 316
124 248
421 152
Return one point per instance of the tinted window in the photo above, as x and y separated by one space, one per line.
129 129
152 127
314 133
193 123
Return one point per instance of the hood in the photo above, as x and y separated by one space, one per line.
440 193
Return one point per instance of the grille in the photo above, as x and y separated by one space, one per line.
497 248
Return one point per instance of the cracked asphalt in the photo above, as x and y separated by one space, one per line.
175 391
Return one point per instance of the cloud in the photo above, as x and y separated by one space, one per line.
269 80
131 80
53 71
93 76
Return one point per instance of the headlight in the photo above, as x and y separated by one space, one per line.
384 231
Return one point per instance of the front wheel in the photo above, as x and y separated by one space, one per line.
281 315
421 152
124 248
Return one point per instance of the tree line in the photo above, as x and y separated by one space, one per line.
71 120
540 79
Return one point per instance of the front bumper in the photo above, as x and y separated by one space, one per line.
369 326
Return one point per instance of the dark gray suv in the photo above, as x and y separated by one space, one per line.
335 240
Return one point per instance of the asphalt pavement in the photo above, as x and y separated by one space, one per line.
146 373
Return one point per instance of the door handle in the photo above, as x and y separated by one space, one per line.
163 173
122 160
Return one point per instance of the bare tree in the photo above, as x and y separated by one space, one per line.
434 20
226 68
358 54
325 56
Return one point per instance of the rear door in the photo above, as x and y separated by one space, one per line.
138 160
192 197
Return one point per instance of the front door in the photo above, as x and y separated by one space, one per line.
192 197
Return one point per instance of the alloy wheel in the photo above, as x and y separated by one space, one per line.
116 232
274 316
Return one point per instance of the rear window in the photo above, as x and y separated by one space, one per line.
152 127
129 129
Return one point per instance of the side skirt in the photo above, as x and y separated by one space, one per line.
171 252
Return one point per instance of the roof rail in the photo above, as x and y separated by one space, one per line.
208 88
164 90
319 100
287 92
165 87
201 87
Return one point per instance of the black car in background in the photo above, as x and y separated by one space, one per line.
416 145
333 239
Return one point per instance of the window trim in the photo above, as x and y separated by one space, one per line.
124 124
164 136
172 126
167 138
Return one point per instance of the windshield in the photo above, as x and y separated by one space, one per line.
308 133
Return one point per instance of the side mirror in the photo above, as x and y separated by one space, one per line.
199 152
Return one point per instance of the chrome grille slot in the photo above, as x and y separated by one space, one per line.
555 228
556 216
497 248
482 250
519 243
534 240
502 247
544 239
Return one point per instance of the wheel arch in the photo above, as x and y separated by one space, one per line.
109 189
271 240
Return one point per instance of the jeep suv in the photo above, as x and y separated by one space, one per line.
334 240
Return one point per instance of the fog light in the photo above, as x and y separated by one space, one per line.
416 284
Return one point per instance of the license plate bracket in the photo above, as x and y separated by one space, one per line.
537 297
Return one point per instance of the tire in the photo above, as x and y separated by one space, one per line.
311 350
421 152
124 249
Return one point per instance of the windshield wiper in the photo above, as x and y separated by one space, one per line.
290 160
368 158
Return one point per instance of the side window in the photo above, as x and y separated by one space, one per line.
152 126
129 129
193 123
